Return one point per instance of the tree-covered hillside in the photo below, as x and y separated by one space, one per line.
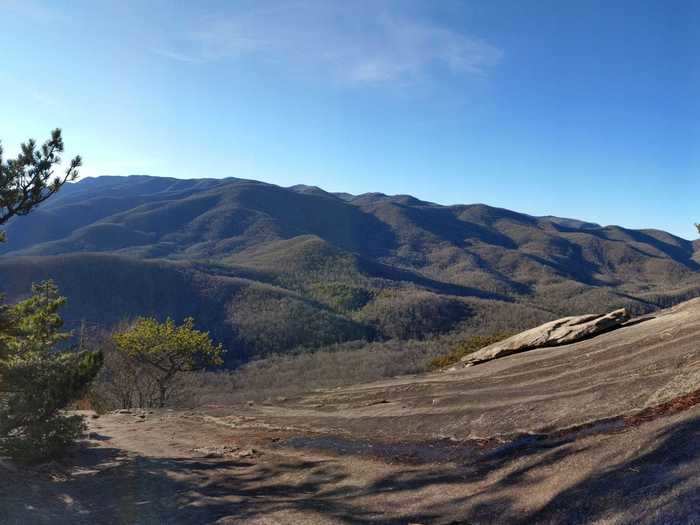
267 269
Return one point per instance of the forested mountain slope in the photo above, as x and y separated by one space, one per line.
268 269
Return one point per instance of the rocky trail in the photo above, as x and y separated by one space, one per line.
604 430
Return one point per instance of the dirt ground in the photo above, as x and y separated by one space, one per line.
601 431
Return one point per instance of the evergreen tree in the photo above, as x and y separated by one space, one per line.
38 378
168 350
30 179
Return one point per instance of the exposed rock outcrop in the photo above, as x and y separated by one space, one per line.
560 332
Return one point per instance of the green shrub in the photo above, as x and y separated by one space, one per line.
465 347
38 380
47 438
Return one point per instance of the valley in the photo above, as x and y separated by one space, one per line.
268 270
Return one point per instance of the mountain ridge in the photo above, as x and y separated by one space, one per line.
370 265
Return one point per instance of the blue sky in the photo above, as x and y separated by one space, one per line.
580 109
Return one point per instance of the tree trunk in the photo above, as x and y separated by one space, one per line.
162 389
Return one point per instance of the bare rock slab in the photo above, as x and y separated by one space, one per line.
560 332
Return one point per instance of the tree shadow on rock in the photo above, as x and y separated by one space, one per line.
108 486
658 485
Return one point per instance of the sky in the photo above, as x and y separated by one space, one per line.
584 109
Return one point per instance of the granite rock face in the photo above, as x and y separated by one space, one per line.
560 332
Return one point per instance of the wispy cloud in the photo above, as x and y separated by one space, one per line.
358 42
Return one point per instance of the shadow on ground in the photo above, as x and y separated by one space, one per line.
656 485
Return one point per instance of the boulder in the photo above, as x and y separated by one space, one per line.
560 332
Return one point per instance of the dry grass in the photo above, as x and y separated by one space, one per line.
465 347
287 375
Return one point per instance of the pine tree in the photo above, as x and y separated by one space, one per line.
30 179
39 375
38 378
168 350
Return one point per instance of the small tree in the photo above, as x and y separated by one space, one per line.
169 349
28 180
124 381
38 380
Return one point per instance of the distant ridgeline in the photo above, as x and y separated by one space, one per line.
269 269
